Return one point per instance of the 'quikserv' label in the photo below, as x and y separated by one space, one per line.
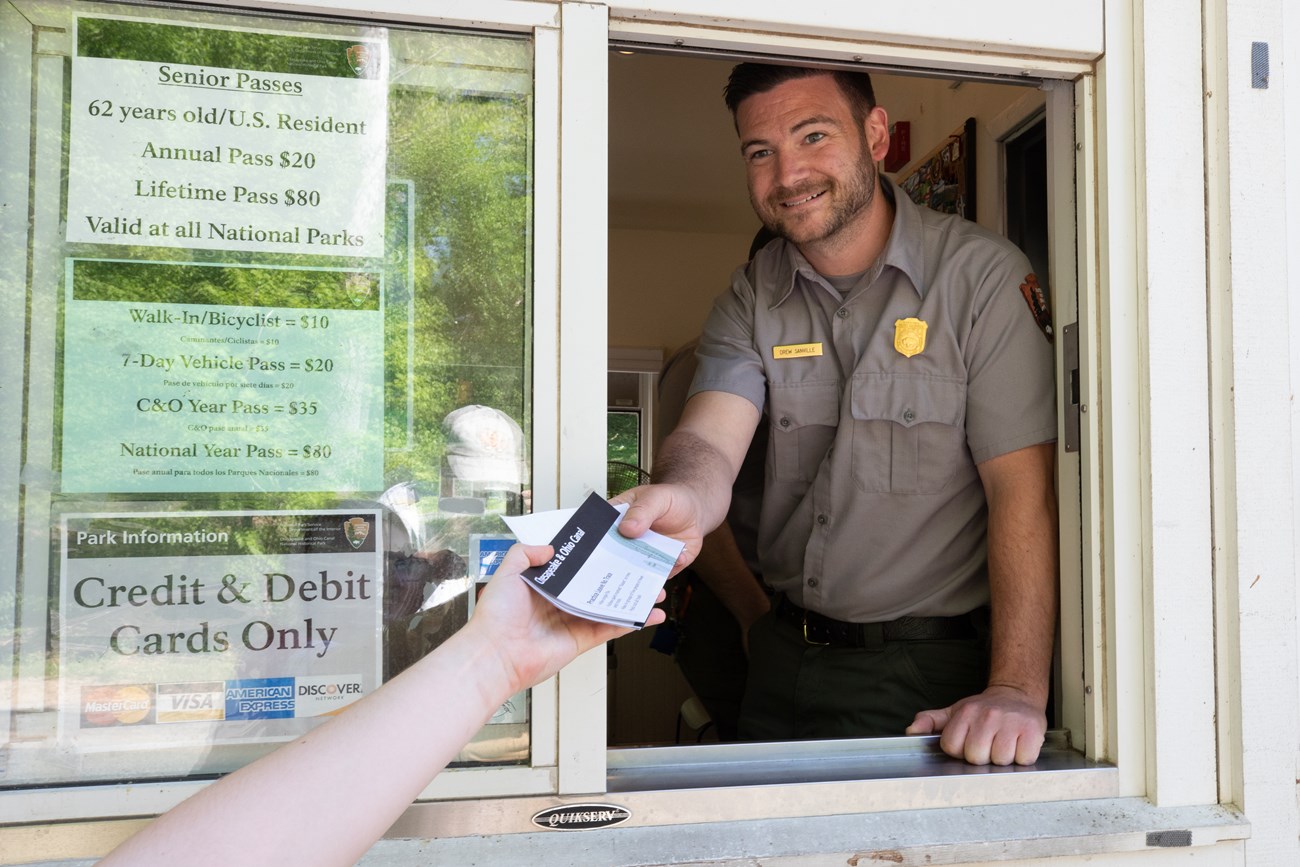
581 817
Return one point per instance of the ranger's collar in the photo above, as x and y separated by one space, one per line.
905 250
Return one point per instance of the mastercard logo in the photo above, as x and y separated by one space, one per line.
116 705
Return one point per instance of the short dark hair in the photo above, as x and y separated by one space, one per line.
748 79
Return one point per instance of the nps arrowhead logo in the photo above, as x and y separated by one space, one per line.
356 530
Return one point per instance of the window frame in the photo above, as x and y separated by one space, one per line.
1068 97
1118 709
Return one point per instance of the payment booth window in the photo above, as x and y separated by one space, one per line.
272 393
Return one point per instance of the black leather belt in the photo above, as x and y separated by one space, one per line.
818 629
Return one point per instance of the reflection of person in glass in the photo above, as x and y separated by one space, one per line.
483 468
483 472
326 797
908 487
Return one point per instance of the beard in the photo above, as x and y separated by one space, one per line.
847 198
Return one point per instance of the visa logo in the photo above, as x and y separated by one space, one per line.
189 701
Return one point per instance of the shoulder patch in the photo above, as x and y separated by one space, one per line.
1037 301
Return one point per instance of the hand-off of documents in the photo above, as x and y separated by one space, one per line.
596 572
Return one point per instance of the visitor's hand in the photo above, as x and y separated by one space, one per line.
532 638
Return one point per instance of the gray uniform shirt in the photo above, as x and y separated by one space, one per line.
873 507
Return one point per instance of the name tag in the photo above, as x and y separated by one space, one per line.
797 350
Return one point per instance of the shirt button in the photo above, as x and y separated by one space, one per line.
909 416
813 582
821 519
785 422
842 313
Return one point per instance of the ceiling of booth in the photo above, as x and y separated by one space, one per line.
674 163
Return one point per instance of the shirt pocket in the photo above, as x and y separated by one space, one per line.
804 417
909 432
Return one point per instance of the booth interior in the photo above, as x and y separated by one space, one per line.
680 223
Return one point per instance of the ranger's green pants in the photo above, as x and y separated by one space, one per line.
799 691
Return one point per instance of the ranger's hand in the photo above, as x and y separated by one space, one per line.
1000 725
667 509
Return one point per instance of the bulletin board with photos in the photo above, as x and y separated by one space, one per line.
944 179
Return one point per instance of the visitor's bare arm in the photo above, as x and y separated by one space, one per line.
326 797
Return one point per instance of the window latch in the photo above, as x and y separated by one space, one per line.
1070 353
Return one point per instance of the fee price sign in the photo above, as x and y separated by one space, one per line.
195 377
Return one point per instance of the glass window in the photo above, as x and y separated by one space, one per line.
630 388
625 436
623 422
271 387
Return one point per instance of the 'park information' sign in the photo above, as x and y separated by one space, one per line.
223 139
201 627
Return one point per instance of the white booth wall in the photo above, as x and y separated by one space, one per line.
1187 234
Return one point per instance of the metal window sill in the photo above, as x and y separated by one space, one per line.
751 764
739 782
1096 830
723 785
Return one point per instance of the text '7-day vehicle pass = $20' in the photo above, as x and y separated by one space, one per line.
596 572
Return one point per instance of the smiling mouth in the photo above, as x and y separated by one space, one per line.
794 203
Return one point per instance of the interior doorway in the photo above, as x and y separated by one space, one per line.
1026 193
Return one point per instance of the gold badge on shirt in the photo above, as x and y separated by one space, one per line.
909 336
797 350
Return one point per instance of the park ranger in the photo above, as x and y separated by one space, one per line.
903 359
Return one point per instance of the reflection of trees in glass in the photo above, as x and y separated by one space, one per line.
467 159
204 284
463 160
221 49
624 437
